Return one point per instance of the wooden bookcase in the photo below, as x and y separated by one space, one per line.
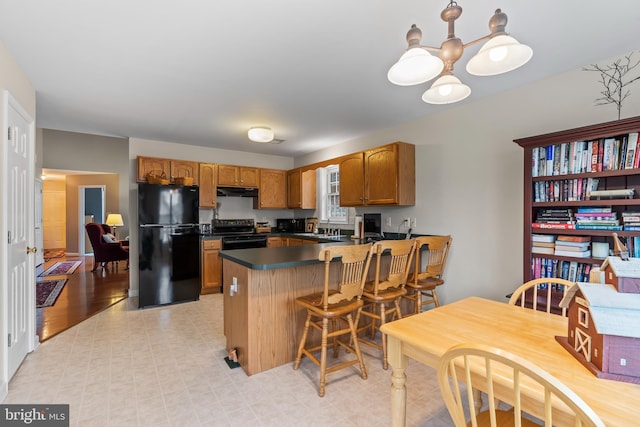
607 180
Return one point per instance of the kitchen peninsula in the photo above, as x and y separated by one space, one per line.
261 319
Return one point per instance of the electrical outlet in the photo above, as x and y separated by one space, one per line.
389 221
407 221
413 223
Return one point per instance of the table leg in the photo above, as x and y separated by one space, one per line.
398 362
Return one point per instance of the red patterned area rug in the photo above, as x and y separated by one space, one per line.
48 291
61 268
54 253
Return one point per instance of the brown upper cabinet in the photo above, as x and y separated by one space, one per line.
237 176
168 168
208 177
184 169
301 189
379 176
272 193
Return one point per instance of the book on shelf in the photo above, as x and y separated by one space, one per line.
594 156
607 159
598 209
544 244
631 150
596 215
543 238
549 161
574 244
543 225
565 238
623 193
597 227
572 248
632 228
542 250
575 254
598 222
535 160
633 136
627 219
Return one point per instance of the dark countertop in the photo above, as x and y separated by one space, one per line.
282 257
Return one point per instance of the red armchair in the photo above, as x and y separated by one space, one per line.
103 251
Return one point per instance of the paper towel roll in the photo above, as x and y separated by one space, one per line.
357 231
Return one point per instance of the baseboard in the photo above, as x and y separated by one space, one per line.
133 292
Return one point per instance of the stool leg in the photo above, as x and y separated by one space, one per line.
335 338
435 297
356 346
323 356
383 338
302 341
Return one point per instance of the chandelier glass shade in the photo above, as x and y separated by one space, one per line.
500 54
261 134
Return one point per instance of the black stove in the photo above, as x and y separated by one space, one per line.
238 234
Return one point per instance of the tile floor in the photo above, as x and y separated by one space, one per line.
164 367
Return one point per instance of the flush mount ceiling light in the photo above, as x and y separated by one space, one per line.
261 134
500 54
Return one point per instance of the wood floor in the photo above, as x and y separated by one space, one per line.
84 295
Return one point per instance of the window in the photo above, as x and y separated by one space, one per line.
329 196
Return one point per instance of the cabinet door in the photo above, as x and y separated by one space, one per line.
228 175
211 267
294 189
291 241
381 175
274 242
184 168
248 177
308 189
153 165
207 185
273 189
351 180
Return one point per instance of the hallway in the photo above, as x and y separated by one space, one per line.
85 294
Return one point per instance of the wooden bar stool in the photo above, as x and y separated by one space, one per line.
422 285
382 296
337 305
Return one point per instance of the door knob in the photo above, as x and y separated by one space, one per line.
31 250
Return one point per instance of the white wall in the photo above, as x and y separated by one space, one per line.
228 207
13 80
469 173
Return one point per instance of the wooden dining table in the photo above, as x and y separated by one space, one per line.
531 334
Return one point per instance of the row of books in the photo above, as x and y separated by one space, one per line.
604 154
569 246
586 218
568 270
564 190
631 220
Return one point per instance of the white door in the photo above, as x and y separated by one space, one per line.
20 178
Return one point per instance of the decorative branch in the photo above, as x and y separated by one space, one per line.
612 78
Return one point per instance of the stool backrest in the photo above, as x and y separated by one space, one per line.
355 260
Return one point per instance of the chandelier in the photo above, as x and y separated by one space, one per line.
500 54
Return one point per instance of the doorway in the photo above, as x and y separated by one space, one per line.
91 204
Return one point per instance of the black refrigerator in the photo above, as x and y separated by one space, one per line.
169 249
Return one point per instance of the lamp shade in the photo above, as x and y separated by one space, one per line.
415 66
446 90
260 134
499 55
114 220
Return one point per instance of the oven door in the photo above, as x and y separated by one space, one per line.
243 242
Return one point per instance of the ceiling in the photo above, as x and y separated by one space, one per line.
202 72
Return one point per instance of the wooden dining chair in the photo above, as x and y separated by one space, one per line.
382 295
335 306
542 294
508 378
427 276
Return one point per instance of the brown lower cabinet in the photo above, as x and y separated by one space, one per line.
211 268
275 242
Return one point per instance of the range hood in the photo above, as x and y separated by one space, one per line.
237 192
